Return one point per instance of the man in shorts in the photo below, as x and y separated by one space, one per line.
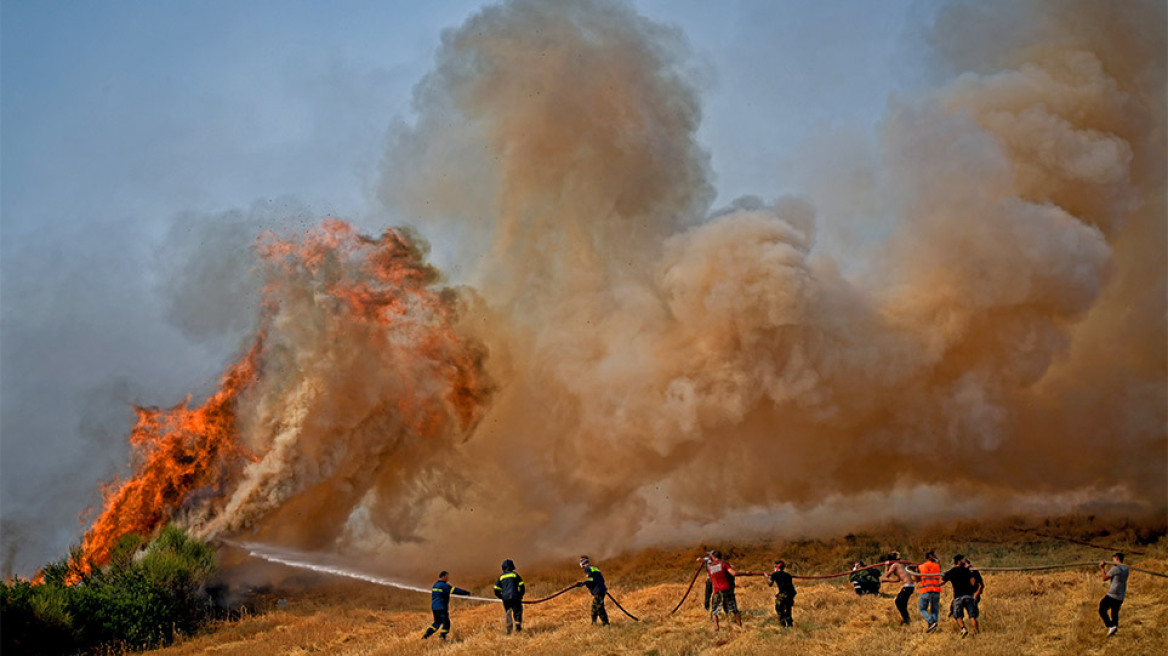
964 588
978 584
895 572
722 601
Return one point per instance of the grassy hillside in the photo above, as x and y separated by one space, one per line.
1050 612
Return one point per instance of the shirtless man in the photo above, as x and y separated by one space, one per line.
895 572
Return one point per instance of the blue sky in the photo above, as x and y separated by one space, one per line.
126 122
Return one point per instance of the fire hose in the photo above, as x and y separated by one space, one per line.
1037 567
691 585
1080 564
1033 568
573 587
1086 544
550 597
622 608
980 569
853 571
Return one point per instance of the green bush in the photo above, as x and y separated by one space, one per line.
142 597
36 619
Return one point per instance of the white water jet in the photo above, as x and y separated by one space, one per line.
303 560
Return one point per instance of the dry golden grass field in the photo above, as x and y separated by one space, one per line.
1046 612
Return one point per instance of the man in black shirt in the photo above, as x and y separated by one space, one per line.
964 588
978 581
784 594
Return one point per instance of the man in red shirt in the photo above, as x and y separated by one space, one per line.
723 599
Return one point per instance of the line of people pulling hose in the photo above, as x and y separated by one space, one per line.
926 579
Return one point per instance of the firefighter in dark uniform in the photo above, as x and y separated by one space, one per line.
595 585
440 605
510 589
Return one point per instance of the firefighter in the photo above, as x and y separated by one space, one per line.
510 589
865 580
440 605
595 585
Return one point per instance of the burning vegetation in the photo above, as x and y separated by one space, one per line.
217 466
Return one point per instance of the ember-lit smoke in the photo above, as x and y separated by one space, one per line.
996 331
356 385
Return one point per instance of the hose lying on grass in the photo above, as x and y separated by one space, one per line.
573 587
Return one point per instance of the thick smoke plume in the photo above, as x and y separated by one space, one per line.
658 367
653 364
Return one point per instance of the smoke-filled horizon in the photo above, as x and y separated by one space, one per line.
960 314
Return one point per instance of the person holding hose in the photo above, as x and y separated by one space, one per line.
721 576
509 587
1110 603
929 601
440 605
864 579
964 591
896 572
784 593
595 584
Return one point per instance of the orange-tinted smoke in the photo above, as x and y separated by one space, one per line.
1004 338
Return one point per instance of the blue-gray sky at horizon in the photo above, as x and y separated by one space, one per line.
127 125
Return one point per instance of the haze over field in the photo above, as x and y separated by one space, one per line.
961 312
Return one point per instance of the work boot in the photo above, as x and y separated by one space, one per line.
428 633
518 627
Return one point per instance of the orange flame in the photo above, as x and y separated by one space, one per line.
179 451
182 454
